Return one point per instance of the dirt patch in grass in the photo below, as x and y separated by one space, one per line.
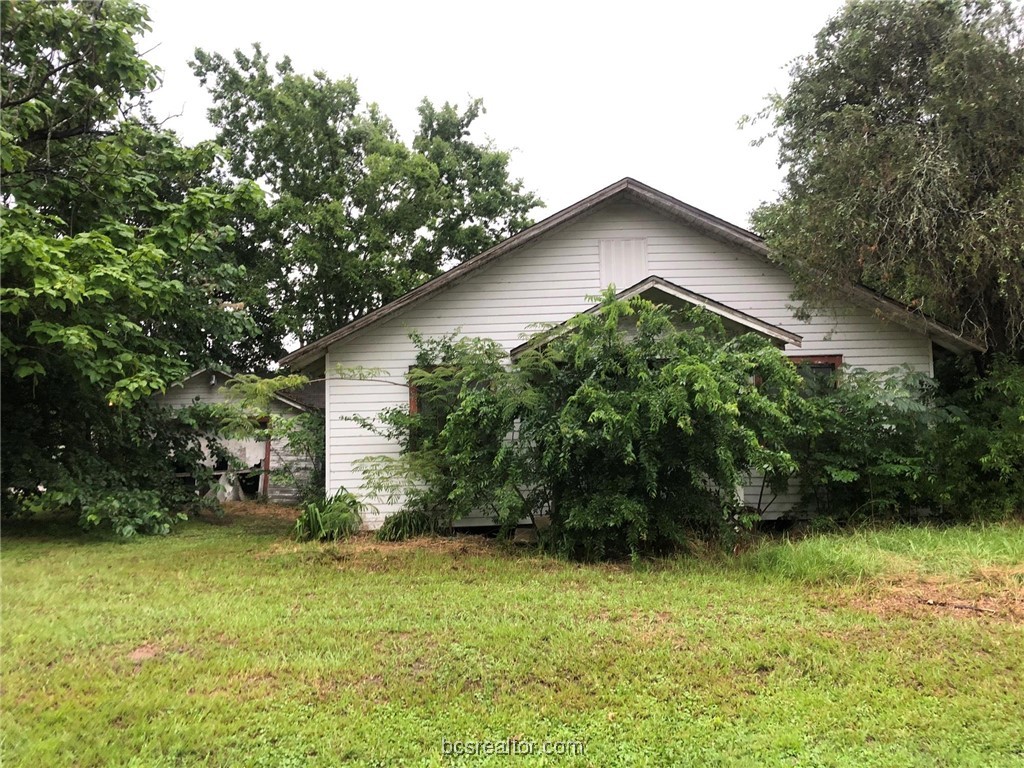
145 652
993 594
237 511
470 545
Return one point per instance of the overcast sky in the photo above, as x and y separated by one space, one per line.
581 93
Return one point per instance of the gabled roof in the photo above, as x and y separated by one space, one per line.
630 190
654 285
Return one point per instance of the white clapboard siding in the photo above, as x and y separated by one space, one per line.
556 277
205 387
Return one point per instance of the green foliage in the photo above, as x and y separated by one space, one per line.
645 423
869 444
447 468
629 430
631 427
248 414
409 523
357 217
254 393
1000 395
115 276
333 518
130 463
883 446
902 135
129 512
979 468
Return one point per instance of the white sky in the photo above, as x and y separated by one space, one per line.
582 93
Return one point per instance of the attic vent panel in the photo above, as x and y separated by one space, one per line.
623 262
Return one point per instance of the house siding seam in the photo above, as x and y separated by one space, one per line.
554 278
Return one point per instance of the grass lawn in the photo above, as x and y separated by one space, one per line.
229 644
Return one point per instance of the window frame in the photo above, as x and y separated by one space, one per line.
836 361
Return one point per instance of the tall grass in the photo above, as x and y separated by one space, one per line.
854 556
333 518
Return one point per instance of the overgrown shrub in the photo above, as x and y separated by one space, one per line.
129 512
630 427
127 477
979 456
410 524
336 517
896 445
868 447
450 442
305 436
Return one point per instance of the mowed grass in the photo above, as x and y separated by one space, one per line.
229 644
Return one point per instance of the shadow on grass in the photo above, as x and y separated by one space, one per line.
248 518
57 528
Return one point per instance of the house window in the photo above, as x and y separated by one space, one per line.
432 408
819 371
623 262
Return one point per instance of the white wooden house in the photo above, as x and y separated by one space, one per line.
260 457
629 235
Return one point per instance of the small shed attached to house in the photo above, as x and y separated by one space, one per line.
263 458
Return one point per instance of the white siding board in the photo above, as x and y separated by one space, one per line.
551 280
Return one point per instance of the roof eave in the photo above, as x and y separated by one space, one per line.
895 312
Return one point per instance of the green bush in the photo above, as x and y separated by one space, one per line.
451 443
129 512
979 456
630 430
410 524
134 486
869 445
898 445
336 517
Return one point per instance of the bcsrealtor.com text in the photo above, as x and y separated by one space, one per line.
511 746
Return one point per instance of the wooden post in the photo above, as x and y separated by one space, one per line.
265 479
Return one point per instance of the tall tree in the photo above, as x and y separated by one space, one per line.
115 279
902 136
356 217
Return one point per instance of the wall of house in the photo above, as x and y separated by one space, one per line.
549 281
204 386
